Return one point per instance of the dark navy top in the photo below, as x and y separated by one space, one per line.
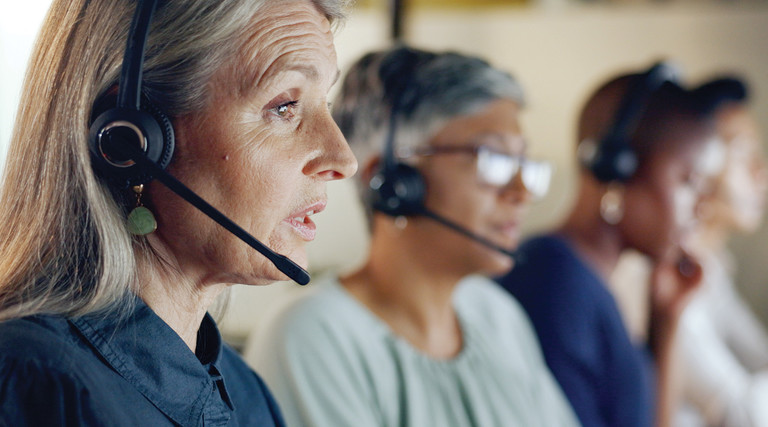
129 370
608 380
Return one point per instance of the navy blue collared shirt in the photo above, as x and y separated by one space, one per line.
130 370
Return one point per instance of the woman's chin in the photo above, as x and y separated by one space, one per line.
264 272
498 264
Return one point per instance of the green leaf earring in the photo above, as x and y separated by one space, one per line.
141 221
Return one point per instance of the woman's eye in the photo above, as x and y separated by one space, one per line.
286 110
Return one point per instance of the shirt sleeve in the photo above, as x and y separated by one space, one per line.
716 382
313 370
742 331
36 395
274 409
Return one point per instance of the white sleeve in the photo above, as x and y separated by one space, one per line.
742 331
715 382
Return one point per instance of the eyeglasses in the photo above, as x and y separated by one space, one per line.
496 168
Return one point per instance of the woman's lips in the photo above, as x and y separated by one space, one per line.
302 224
510 230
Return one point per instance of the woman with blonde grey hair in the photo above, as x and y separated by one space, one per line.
106 275
404 341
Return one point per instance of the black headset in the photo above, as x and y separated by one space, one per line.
613 158
399 189
133 143
134 120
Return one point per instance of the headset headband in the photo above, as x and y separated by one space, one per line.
637 100
129 90
612 157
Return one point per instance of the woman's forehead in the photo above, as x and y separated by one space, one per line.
496 125
287 35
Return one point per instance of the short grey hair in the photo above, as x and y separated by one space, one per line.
429 89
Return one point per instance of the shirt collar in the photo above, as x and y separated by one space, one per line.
151 356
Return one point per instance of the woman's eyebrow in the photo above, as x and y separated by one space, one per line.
500 141
311 72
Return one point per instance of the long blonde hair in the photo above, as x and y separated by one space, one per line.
65 248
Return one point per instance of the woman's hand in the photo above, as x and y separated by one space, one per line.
673 282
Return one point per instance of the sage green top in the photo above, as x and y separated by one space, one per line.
330 362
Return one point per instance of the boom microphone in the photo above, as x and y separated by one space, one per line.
283 263
464 231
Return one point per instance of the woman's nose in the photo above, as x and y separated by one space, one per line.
515 191
333 158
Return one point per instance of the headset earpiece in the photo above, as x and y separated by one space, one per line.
399 191
129 118
148 128
613 158
613 161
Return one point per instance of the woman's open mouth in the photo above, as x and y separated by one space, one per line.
303 224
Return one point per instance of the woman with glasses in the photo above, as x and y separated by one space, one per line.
660 140
409 339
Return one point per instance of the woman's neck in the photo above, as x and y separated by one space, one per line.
412 298
179 301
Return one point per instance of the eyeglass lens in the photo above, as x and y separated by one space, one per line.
499 169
